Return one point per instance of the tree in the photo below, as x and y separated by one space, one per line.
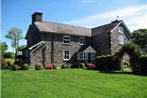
21 47
4 47
15 34
140 37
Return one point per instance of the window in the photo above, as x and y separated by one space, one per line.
66 55
120 30
121 39
80 56
92 56
82 41
66 39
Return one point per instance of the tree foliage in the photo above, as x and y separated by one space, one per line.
15 34
4 47
21 47
140 37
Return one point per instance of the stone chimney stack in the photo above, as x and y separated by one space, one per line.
36 17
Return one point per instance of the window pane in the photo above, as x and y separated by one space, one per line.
121 39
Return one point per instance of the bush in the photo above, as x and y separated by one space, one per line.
26 66
9 61
106 62
49 66
143 64
4 65
20 67
90 66
56 66
67 65
76 65
38 67
125 64
14 67
9 55
82 65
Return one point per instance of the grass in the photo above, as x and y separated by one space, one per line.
72 83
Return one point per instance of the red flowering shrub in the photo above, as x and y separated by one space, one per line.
90 65
20 68
49 66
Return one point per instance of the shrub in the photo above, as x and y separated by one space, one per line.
67 65
143 64
14 67
82 65
4 65
56 66
125 64
90 65
9 55
20 67
106 62
9 61
38 67
49 66
76 65
26 66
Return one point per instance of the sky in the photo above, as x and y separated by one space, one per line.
85 13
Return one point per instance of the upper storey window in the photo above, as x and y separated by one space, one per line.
120 29
82 41
66 39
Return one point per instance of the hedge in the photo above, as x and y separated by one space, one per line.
106 62
143 64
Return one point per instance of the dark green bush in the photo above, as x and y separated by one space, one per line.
9 55
14 67
76 65
67 65
38 67
106 62
26 66
143 64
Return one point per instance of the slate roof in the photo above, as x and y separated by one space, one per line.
105 28
52 27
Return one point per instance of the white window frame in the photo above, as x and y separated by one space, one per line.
80 56
66 39
64 55
120 29
82 41
121 39
92 56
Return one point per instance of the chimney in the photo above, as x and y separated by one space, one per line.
36 17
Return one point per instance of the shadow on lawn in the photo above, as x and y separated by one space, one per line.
120 72
115 72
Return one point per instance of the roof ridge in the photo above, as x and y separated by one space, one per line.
66 24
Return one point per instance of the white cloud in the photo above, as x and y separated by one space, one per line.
134 16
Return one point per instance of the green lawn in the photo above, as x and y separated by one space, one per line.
72 83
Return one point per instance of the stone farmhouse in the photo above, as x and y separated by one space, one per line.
56 43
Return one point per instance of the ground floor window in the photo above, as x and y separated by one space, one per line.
85 56
66 55
80 56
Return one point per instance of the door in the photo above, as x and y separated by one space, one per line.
89 57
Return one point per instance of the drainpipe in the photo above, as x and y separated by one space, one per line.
52 49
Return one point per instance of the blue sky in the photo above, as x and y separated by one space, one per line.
86 13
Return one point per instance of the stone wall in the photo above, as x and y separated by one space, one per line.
115 46
33 36
101 43
53 51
